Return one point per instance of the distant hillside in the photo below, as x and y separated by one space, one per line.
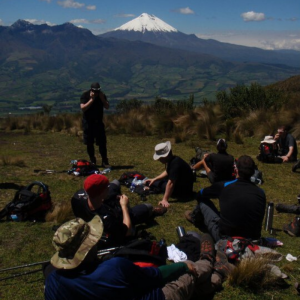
53 65
291 85
150 29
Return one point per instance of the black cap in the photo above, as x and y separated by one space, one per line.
95 86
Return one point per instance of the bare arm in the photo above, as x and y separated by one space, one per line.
168 192
164 174
288 155
124 202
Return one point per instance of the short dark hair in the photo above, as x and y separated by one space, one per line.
221 145
246 167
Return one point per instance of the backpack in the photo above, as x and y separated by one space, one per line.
143 252
127 177
28 205
268 153
82 167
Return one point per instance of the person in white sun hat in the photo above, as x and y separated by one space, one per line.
177 178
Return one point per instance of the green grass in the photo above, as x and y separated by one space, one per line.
22 243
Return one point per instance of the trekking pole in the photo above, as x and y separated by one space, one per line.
106 251
25 266
20 274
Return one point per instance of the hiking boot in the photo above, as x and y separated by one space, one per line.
196 218
296 166
93 160
207 248
293 228
290 209
188 216
105 164
222 266
159 211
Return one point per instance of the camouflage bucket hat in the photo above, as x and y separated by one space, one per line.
73 240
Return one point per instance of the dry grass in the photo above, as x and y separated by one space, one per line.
61 213
254 274
12 161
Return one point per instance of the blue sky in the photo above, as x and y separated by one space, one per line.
268 24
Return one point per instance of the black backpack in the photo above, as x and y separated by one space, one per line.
28 204
268 153
82 167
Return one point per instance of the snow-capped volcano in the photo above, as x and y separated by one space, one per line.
146 22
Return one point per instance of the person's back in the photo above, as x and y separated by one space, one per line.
221 165
179 170
242 207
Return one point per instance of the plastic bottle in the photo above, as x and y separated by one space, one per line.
133 184
105 171
269 217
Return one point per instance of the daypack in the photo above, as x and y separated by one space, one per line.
127 177
82 167
268 153
29 205
143 252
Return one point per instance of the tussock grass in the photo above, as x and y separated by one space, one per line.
61 213
254 274
12 161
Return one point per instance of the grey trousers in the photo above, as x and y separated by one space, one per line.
188 285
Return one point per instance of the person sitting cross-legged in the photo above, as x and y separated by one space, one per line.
218 166
177 179
76 272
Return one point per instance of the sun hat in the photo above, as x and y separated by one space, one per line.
162 150
95 184
73 240
268 139
95 86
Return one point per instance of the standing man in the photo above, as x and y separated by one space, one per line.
92 103
177 179
287 145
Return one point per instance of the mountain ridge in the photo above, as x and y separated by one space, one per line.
190 42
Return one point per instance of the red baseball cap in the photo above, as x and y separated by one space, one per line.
95 184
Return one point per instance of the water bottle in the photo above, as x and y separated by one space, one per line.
14 218
105 171
269 217
180 231
133 185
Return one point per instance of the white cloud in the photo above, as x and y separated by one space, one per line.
251 16
1 22
70 4
91 7
269 40
98 21
184 11
39 22
124 16
79 21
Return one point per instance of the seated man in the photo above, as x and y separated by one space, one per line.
101 198
218 166
76 273
177 180
242 206
287 145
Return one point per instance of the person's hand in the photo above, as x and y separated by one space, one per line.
192 269
285 158
205 155
92 94
164 203
276 137
124 201
148 182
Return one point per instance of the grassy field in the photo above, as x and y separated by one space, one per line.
21 243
